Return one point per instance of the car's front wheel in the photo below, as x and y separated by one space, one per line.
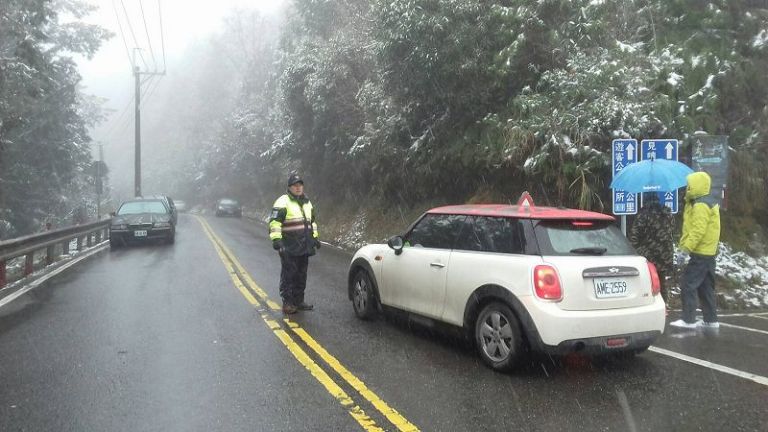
115 243
363 297
498 337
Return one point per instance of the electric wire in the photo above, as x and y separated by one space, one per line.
151 92
122 35
162 35
146 30
133 35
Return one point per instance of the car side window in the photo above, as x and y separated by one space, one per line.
493 234
436 231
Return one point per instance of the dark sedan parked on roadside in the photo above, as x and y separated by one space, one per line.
229 207
142 219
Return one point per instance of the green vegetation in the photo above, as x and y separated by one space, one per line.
45 160
404 103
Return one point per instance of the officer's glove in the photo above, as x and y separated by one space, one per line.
682 257
278 246
318 244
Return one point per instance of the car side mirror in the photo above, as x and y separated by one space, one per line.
396 243
113 214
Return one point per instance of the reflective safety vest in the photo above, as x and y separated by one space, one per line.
293 221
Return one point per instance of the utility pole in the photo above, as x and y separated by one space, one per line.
137 131
99 183
137 73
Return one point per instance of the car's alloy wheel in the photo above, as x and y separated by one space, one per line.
497 335
363 298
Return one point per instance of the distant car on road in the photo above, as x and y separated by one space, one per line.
229 207
515 278
181 206
142 219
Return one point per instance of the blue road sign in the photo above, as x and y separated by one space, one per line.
662 149
623 153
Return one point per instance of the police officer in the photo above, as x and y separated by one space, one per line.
293 232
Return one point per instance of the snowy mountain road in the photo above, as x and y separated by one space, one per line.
186 337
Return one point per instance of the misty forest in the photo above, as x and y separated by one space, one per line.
389 108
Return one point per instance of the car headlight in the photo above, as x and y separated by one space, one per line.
119 227
162 225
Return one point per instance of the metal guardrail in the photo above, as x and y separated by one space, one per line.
86 235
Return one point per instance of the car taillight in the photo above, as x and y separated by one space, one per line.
546 283
655 281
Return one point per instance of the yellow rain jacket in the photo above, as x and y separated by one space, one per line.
292 221
701 217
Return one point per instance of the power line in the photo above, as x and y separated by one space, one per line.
122 34
151 92
162 36
146 30
119 123
133 35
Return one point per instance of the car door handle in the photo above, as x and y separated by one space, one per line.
437 264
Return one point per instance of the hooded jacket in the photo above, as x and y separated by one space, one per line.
701 217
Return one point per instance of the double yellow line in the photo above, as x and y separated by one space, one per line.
243 281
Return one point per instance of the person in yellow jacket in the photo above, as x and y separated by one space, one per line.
293 231
700 238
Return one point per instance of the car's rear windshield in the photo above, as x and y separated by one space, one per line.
137 207
581 237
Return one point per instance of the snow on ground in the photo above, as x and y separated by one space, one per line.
748 273
742 279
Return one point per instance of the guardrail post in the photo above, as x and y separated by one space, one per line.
29 264
89 239
79 243
65 247
49 254
98 236
3 278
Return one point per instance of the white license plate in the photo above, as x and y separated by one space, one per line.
140 233
609 288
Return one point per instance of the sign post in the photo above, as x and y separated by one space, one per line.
623 153
710 154
662 149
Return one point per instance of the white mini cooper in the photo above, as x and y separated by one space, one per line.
516 278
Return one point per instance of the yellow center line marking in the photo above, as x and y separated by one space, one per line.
391 414
248 280
301 356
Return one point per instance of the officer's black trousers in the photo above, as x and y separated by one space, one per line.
293 278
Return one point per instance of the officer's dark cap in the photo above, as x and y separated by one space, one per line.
294 178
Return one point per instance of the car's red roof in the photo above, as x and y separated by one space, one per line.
508 210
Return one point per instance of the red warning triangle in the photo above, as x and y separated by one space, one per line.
525 203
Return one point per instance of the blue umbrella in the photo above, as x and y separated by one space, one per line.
652 175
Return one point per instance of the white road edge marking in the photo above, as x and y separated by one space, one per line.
722 324
35 283
707 364
749 314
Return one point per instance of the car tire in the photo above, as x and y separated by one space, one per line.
363 296
171 238
498 338
115 243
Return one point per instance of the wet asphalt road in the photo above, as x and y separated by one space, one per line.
157 337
